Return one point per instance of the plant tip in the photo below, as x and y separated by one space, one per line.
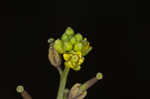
99 76
20 89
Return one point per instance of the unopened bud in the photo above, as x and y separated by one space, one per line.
69 31
78 46
73 40
64 37
58 46
67 46
78 37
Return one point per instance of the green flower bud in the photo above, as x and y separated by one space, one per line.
84 53
78 37
58 45
86 47
67 46
78 46
69 31
64 37
85 43
70 37
73 40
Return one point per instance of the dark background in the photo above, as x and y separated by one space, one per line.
118 32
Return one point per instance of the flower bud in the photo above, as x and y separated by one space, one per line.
86 47
78 37
73 40
78 46
58 46
67 46
69 31
84 53
64 37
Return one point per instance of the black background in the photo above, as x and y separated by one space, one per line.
117 31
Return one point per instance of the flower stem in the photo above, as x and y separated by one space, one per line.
63 80
59 70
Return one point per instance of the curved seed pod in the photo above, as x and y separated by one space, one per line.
53 56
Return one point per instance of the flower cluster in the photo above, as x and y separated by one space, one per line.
73 47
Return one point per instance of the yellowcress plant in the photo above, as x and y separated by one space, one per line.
73 48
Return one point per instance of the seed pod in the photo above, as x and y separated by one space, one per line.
53 56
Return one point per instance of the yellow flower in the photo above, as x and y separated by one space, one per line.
73 60
66 56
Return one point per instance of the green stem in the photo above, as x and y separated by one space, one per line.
62 84
59 70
